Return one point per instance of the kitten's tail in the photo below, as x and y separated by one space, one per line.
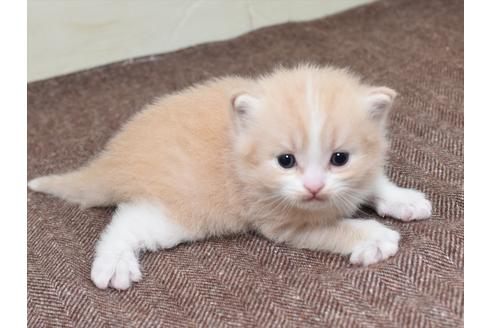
86 187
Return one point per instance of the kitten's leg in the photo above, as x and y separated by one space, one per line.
366 241
135 226
400 203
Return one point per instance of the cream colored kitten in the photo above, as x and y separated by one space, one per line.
292 154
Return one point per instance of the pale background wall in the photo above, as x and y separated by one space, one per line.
66 36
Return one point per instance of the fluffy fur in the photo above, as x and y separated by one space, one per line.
203 162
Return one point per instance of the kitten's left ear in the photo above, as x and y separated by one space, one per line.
244 107
379 101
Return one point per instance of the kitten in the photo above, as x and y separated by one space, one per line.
292 154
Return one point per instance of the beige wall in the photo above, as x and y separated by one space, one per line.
69 35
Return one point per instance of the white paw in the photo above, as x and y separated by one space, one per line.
117 271
404 204
378 244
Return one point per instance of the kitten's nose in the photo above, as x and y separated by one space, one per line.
314 187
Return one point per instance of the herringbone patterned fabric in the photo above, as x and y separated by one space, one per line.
414 46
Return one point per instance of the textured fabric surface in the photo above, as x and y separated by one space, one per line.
413 46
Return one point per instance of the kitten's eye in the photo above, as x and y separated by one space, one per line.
287 161
339 159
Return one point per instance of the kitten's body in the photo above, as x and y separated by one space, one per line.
202 162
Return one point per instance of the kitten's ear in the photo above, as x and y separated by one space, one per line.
379 101
244 107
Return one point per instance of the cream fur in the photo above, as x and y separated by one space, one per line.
204 160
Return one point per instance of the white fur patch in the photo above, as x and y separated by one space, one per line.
135 226
316 119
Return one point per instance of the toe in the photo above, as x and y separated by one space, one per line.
101 273
121 281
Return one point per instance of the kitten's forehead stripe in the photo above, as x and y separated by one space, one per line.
316 121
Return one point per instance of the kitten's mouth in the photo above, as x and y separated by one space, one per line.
313 198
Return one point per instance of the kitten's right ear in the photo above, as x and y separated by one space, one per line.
244 107
379 101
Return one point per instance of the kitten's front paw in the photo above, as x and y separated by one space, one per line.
405 205
379 244
117 271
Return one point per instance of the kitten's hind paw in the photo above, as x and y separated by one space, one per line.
117 271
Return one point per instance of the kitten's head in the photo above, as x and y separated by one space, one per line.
311 138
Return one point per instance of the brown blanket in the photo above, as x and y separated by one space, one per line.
414 46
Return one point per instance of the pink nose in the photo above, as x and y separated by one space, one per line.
314 187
